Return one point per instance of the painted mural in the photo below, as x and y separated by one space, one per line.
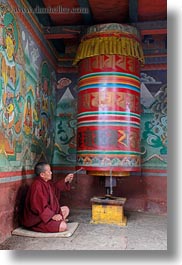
154 119
27 86
66 120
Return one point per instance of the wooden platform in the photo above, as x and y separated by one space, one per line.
108 210
20 231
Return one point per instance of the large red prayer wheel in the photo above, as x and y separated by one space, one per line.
108 129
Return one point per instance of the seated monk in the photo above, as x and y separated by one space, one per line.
42 211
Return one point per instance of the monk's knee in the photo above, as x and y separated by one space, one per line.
65 211
62 226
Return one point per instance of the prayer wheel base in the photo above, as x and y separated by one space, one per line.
108 210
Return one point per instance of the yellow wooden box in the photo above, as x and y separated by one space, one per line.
108 211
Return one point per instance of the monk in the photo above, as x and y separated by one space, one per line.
42 211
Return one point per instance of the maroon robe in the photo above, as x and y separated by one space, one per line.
42 202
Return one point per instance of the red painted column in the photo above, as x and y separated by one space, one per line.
108 129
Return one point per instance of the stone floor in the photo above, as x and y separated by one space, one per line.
143 232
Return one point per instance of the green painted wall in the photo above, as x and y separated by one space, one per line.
154 119
66 120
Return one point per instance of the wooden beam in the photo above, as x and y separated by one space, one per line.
44 19
61 36
79 29
64 32
161 24
68 32
133 10
150 67
153 32
86 12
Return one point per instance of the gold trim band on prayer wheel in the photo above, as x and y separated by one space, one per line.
109 45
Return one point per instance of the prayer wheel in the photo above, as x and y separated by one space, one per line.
108 129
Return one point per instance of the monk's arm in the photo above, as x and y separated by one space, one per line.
62 185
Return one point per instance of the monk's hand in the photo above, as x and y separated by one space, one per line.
69 178
57 217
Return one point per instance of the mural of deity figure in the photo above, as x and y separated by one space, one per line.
28 119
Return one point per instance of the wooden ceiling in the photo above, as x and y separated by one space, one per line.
63 19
